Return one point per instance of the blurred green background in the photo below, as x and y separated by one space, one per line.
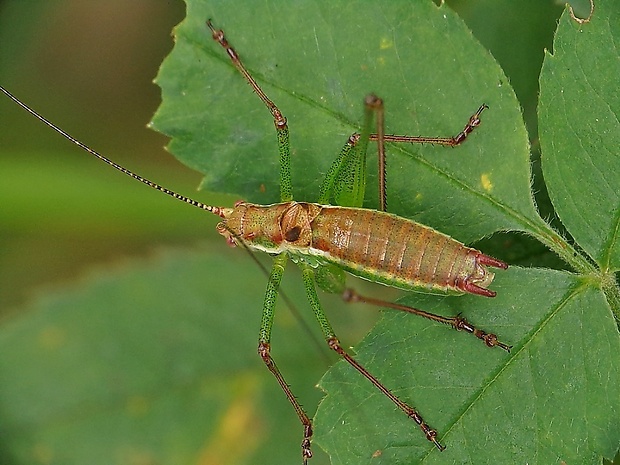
88 66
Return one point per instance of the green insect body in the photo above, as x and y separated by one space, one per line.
325 240
374 245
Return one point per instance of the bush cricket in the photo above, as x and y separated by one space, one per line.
336 235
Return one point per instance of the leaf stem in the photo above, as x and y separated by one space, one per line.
612 294
582 265
558 244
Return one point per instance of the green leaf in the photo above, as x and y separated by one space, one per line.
580 131
151 364
522 407
317 63
553 398
424 63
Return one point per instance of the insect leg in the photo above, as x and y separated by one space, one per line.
473 123
345 182
375 103
331 188
264 347
351 163
457 322
286 186
334 344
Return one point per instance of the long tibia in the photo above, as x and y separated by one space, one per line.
459 323
474 121
264 352
286 187
273 284
334 344
412 413
376 104
218 36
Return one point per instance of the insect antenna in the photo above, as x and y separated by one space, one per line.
219 211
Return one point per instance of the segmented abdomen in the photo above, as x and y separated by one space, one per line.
376 243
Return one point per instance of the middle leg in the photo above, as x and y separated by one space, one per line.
334 344
264 350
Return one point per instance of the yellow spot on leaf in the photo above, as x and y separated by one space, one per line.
52 338
485 180
385 44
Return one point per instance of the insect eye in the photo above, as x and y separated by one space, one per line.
292 234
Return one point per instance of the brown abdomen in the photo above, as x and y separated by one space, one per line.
376 242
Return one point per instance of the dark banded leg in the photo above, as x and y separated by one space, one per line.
306 452
286 186
457 322
334 344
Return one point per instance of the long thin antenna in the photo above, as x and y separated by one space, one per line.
219 211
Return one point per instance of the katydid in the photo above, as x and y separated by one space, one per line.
336 235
